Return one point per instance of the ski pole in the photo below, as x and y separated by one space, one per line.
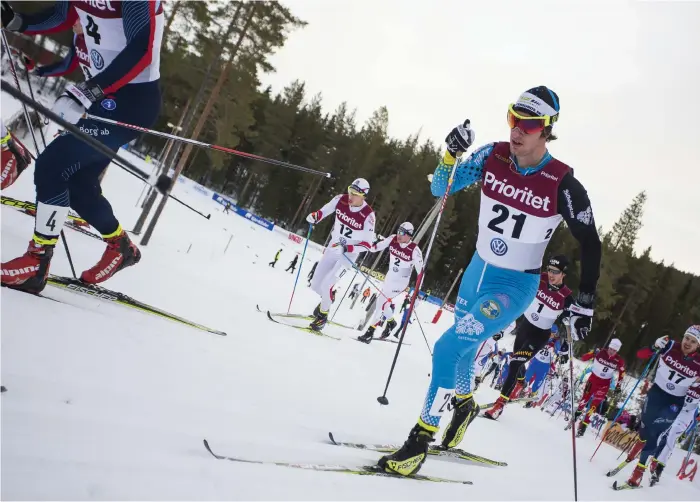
348 288
211 147
103 149
343 298
642 376
573 402
691 447
30 128
375 286
301 263
419 280
24 106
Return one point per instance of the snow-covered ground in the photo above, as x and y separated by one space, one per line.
104 402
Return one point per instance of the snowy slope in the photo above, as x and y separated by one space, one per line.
108 403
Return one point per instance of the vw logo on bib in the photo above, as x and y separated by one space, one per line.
498 246
97 59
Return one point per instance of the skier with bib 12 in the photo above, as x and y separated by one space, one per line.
352 233
525 194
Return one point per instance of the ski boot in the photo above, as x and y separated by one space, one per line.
120 253
408 460
29 271
532 400
572 420
636 450
656 469
637 474
477 382
367 337
495 411
317 311
581 429
515 393
465 411
390 325
320 321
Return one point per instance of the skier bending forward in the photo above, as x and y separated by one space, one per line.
353 228
404 256
678 372
525 193
124 40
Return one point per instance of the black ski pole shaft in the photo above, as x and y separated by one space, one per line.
424 337
70 259
103 149
207 216
31 94
349 286
419 280
209 146
27 118
573 402
344 295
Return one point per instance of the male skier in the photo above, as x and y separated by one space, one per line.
525 194
124 40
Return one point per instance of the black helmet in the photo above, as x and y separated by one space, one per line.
559 261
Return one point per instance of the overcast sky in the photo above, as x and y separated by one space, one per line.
627 75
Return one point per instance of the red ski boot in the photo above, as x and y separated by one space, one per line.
29 271
637 474
120 253
653 465
515 394
497 408
636 450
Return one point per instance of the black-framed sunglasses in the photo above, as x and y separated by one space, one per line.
554 271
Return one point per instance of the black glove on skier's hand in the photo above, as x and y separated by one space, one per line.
11 21
460 139
581 315
564 358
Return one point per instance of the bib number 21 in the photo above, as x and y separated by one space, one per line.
502 216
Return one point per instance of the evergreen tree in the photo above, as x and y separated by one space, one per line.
624 232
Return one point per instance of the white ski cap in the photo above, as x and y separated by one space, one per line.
615 344
407 228
693 332
360 185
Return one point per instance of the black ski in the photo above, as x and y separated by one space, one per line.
363 470
100 293
381 340
617 469
624 486
437 451
486 406
298 316
272 316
